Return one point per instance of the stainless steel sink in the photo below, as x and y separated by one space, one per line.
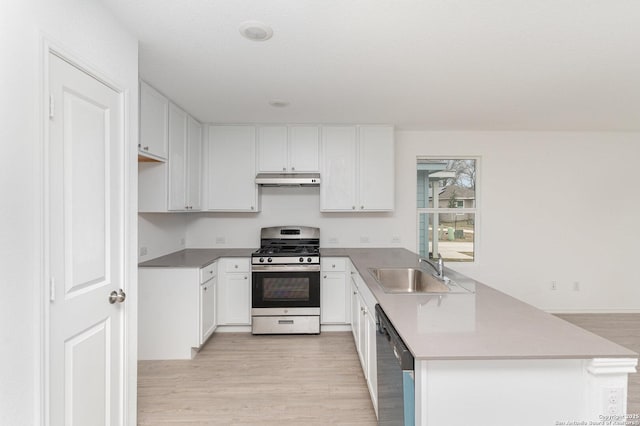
412 280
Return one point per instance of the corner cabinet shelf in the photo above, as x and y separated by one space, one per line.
357 169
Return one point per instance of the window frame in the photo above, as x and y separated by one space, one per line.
456 210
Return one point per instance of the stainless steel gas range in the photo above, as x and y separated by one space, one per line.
285 274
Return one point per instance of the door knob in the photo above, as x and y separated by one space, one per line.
117 296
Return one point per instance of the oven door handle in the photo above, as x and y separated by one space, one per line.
285 268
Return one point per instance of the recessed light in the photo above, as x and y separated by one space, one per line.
278 103
256 31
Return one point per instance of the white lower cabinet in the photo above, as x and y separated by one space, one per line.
335 290
234 291
176 311
208 317
363 324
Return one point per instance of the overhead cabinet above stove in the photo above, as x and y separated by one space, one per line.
288 149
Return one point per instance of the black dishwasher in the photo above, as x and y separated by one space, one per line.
396 390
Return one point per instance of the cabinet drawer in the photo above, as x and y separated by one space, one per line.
208 272
337 264
237 265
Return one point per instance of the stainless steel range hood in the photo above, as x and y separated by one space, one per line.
288 179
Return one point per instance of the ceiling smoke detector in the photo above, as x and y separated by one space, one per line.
278 103
256 31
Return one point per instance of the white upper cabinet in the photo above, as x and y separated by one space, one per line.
154 115
177 159
272 149
231 165
174 185
304 149
338 175
376 161
194 164
288 149
357 169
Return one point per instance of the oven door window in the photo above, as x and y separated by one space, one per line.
279 290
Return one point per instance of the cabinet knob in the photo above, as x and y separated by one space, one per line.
235 266
324 276
245 277
355 292
293 168
361 207
333 266
353 207
251 207
284 169
204 288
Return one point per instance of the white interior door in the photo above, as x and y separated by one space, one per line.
86 252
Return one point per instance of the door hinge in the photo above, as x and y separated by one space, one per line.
52 289
52 105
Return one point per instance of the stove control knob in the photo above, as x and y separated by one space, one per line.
262 260
301 259
309 259
269 260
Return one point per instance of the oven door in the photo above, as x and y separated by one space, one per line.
282 286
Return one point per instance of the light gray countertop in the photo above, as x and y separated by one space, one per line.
195 258
484 324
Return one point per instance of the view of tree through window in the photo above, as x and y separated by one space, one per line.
447 208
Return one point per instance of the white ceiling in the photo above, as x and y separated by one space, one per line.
428 64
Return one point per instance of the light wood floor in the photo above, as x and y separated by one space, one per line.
623 329
310 380
260 380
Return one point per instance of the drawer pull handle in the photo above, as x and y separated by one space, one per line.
285 321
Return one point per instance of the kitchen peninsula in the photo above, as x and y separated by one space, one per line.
482 357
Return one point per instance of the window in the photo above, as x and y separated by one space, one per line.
447 200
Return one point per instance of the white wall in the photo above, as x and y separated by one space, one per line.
87 30
161 234
555 206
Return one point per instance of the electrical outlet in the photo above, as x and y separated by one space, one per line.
221 240
364 239
333 240
143 251
395 239
576 286
612 400
182 241
554 285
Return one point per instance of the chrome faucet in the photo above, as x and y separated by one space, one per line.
438 267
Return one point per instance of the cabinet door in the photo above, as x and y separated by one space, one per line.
376 168
194 165
231 169
177 158
372 371
272 149
207 309
362 336
234 299
154 113
355 314
338 189
334 304
304 149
